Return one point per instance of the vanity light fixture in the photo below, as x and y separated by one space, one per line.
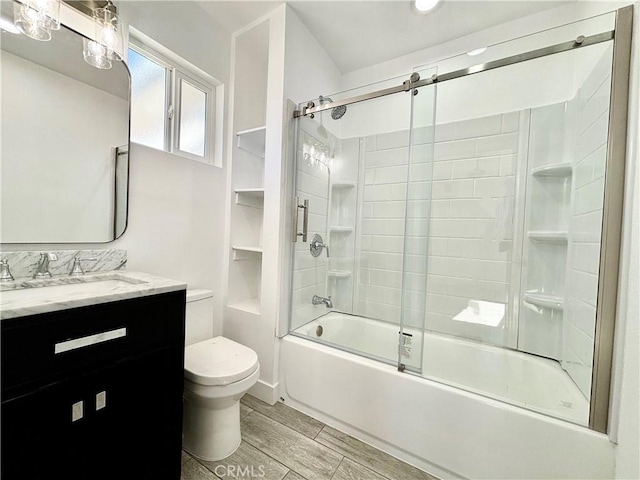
108 30
36 18
477 51
108 41
422 7
95 54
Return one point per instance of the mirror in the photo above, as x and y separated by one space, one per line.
65 142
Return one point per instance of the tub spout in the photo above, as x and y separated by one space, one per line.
316 300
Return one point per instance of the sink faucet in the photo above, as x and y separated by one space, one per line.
5 273
77 267
42 269
316 300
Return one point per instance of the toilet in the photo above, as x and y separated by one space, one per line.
217 373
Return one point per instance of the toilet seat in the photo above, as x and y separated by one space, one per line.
218 361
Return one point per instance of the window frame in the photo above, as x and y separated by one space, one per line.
176 71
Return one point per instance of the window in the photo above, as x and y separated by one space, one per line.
173 103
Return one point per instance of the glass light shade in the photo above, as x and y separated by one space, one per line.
108 32
95 54
36 18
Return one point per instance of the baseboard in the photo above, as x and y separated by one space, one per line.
265 392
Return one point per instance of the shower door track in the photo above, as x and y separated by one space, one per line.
415 82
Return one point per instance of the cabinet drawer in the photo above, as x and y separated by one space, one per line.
40 348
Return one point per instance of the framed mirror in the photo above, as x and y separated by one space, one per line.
65 142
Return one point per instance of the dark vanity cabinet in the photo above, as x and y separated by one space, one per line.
94 392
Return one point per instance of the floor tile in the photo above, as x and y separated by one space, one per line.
247 462
288 416
294 450
293 476
185 457
192 470
350 470
369 456
244 410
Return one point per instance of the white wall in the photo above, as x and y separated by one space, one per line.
176 206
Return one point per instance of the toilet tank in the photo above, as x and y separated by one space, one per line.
199 316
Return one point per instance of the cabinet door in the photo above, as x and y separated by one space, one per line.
138 433
129 427
41 437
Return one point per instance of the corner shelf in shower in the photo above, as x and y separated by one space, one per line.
252 306
252 140
553 170
548 236
343 185
338 273
546 301
250 197
246 252
340 229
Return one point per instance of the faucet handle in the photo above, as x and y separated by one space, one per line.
77 267
5 272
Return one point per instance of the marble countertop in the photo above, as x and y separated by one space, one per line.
29 297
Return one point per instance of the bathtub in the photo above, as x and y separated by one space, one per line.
447 431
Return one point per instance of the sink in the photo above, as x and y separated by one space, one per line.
56 288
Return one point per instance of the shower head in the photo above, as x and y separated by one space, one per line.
336 113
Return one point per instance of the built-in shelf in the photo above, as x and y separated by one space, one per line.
548 236
340 229
252 140
250 197
339 273
553 170
250 306
546 301
343 185
246 252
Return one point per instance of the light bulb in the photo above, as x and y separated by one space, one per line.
423 6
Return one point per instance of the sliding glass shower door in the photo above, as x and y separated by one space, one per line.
363 176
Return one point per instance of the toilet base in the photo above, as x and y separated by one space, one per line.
211 423
211 435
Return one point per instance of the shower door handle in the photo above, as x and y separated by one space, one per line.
305 220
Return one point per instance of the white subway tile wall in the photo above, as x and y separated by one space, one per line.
467 237
585 224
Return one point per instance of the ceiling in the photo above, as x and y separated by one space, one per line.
357 34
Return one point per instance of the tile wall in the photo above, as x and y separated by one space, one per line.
469 234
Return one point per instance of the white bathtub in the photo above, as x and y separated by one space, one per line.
446 431
525 380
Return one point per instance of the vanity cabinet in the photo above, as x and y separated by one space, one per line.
105 410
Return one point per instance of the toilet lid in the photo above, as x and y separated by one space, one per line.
218 361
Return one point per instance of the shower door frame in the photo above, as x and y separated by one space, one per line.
613 203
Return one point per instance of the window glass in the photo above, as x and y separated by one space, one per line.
148 106
193 119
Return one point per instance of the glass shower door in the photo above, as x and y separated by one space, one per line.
417 223
362 171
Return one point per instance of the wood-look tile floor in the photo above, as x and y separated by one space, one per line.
280 443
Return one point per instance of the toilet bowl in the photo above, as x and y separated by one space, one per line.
218 372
